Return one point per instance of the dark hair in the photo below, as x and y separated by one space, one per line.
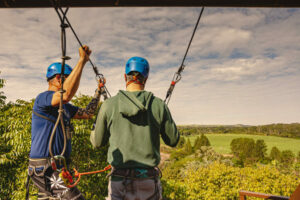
138 75
49 79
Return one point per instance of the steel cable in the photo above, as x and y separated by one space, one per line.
177 75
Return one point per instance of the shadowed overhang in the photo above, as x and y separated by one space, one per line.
150 3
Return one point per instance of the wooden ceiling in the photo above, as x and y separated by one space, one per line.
149 3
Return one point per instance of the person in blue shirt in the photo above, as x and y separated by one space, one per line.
44 116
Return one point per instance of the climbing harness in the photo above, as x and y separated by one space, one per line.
177 76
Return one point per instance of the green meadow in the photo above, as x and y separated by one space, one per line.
221 142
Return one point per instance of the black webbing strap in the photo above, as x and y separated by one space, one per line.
27 187
44 117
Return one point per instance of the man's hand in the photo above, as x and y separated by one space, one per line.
84 53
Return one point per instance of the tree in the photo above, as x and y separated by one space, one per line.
197 143
287 157
275 154
188 147
243 149
260 150
298 157
2 97
202 141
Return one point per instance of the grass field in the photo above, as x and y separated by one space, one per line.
221 142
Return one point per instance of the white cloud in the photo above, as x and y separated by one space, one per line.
243 65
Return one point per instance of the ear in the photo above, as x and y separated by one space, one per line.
125 77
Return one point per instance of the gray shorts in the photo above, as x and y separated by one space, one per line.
135 189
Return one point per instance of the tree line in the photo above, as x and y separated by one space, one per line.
281 130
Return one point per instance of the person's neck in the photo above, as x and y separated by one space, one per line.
53 88
134 87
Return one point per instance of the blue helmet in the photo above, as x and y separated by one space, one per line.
55 68
137 64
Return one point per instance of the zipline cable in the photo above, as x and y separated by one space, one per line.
98 75
177 75
65 23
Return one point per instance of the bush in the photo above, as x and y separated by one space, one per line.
260 150
188 147
201 141
220 181
243 149
287 157
275 154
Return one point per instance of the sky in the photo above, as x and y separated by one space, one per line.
243 66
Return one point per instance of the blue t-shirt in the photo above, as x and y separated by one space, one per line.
41 128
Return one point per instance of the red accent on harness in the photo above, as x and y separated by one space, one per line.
101 85
53 164
173 83
66 175
78 174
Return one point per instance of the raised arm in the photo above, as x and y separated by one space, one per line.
72 82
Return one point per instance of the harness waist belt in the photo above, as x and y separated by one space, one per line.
136 173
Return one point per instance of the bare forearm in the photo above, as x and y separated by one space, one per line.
72 82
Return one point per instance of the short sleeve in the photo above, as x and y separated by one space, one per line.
44 100
72 110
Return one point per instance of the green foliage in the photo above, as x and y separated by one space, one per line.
181 142
247 151
275 154
287 157
2 96
260 150
243 149
188 147
201 141
15 132
15 137
220 181
282 130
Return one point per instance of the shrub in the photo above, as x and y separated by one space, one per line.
220 181
188 147
201 141
260 150
287 157
275 154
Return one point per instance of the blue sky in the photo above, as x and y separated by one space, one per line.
242 68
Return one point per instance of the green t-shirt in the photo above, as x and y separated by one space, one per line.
132 123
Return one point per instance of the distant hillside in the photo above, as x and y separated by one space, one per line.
281 130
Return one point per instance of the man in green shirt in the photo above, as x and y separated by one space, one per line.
132 122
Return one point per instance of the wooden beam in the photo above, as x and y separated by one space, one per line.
149 3
244 193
